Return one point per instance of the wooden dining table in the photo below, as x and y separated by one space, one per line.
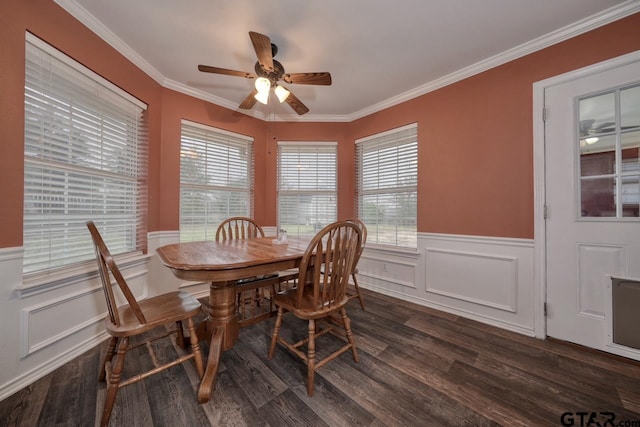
222 264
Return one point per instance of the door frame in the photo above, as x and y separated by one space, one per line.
539 178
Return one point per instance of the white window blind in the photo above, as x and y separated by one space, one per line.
84 159
307 186
387 171
216 179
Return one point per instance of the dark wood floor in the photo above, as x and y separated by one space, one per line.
417 367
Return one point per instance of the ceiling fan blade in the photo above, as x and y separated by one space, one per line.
308 78
249 101
216 70
296 104
262 46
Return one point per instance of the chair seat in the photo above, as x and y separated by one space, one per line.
306 310
158 310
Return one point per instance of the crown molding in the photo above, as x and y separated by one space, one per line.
89 21
607 16
205 96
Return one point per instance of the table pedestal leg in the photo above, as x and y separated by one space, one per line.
213 361
222 330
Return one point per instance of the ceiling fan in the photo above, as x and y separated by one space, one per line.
589 127
268 72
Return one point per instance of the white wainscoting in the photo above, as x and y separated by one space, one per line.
161 279
487 279
43 327
482 278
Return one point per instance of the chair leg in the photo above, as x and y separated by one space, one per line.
355 284
347 328
111 348
195 347
311 357
114 381
276 331
180 335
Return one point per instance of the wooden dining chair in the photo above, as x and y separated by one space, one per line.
325 269
238 227
137 318
252 291
356 292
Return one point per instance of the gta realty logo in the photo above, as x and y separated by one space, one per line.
595 419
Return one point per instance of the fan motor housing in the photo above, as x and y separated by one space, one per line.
273 76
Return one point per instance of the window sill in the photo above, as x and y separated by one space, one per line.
38 283
392 250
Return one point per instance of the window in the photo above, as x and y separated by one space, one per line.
609 149
84 159
387 173
216 179
307 189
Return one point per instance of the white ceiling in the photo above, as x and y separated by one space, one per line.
379 53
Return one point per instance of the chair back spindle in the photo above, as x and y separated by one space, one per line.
355 293
238 227
327 264
363 235
254 300
107 268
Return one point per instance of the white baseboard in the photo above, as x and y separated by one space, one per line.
45 368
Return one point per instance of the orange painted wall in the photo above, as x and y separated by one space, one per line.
475 136
475 155
51 23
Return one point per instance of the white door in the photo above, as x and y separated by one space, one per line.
592 187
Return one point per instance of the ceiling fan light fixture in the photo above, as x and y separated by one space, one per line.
262 96
268 72
591 140
281 93
263 84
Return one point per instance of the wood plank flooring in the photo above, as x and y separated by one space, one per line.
418 367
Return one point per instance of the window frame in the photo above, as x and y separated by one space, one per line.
408 135
224 140
87 118
307 147
624 174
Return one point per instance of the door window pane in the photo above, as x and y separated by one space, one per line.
608 145
598 155
630 108
630 142
598 197
597 115
630 195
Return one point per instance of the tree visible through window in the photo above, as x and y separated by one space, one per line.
387 171
307 189
85 156
216 179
